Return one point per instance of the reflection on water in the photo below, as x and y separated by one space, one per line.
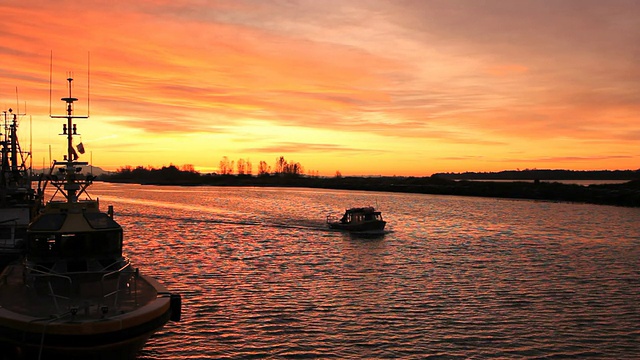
261 275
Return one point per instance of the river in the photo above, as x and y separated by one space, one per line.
453 277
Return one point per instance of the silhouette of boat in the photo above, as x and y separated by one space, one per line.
358 219
18 199
75 295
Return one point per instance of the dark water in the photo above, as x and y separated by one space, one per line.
455 277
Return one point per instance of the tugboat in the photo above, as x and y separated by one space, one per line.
18 200
75 295
361 219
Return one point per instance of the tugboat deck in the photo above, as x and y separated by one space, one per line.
99 299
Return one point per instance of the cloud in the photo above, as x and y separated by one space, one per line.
297 147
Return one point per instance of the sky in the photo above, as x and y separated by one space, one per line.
360 87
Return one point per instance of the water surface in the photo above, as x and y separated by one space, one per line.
453 277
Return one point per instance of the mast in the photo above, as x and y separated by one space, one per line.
5 156
13 140
73 184
14 171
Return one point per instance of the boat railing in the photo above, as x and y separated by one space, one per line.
49 276
117 274
63 287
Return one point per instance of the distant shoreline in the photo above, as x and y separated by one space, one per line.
618 194
583 182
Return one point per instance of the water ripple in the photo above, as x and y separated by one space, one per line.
261 276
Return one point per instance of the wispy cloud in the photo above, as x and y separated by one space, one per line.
295 147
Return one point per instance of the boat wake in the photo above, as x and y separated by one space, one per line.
310 225
210 215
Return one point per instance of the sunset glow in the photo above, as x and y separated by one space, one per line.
364 87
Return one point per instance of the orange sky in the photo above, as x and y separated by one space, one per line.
364 87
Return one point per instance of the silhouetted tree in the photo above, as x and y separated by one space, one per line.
226 166
188 168
249 167
292 168
281 165
140 172
263 169
242 166
170 172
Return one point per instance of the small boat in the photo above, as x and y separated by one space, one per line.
18 199
74 294
358 219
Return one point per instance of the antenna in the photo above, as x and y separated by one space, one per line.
30 146
88 82
50 71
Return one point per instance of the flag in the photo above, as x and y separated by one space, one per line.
81 148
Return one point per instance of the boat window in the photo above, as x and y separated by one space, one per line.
101 221
92 244
99 244
42 245
48 222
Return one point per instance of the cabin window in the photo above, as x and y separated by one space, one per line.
43 245
100 244
48 222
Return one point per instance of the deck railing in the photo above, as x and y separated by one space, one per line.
124 270
38 274
69 287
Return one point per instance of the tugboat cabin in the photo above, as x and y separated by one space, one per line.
74 237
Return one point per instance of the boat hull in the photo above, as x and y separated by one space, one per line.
370 226
111 346
114 337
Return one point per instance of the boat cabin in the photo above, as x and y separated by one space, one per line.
72 238
358 215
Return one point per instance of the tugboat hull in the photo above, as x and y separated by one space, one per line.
81 336
106 346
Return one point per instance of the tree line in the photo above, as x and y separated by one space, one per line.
245 167
187 173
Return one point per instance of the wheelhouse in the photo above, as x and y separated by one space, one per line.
72 235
